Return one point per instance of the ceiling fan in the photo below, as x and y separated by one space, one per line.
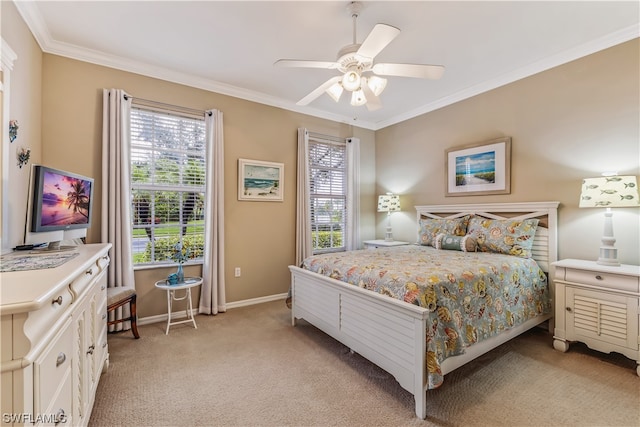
355 60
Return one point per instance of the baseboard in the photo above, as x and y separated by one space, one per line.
236 304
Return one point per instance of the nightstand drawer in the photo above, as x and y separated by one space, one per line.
595 278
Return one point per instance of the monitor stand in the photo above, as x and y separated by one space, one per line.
54 247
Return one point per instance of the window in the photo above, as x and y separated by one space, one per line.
167 184
328 192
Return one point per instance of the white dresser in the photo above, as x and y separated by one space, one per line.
598 305
54 340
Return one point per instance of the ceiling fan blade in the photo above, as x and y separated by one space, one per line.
409 70
373 101
319 91
378 39
302 63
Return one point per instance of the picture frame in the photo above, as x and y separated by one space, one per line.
479 169
260 181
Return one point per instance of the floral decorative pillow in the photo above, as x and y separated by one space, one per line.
504 236
431 227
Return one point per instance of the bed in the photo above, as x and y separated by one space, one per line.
409 330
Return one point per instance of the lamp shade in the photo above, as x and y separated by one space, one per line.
335 91
388 203
609 192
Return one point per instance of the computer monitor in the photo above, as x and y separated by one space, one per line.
58 208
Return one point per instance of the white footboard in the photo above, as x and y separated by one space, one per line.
388 332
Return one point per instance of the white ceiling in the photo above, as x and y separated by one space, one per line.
230 47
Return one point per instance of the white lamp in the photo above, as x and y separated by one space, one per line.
609 192
388 203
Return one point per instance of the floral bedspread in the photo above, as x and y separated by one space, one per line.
471 295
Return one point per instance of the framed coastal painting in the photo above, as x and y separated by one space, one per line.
479 169
260 181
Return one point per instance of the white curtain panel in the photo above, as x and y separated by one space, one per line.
304 246
116 194
353 194
212 292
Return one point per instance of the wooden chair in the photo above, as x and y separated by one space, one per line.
119 296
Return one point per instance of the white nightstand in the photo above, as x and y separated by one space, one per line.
373 244
598 305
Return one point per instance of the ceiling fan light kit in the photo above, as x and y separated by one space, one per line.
351 80
376 84
358 98
356 59
335 91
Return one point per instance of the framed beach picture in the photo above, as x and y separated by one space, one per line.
261 181
483 168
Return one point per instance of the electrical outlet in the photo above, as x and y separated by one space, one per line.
237 272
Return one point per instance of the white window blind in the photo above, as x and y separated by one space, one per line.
168 183
328 193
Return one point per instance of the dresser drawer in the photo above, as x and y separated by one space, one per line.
52 367
39 324
84 279
596 278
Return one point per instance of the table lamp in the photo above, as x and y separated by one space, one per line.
608 192
388 203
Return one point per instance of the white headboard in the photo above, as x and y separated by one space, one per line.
545 244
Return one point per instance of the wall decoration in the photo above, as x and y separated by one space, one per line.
13 130
23 156
479 169
261 181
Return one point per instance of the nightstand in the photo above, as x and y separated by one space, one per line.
374 244
598 305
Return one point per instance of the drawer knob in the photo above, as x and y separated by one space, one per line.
104 316
568 309
91 348
60 359
599 277
89 272
57 300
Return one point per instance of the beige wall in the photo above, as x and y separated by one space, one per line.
568 123
24 106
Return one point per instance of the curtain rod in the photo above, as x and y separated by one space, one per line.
170 106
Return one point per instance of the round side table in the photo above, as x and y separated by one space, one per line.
189 282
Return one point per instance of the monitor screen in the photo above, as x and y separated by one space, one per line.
61 200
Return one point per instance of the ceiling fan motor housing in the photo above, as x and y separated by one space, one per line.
348 58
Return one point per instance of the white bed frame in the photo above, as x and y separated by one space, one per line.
391 333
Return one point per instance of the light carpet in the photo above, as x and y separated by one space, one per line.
250 367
